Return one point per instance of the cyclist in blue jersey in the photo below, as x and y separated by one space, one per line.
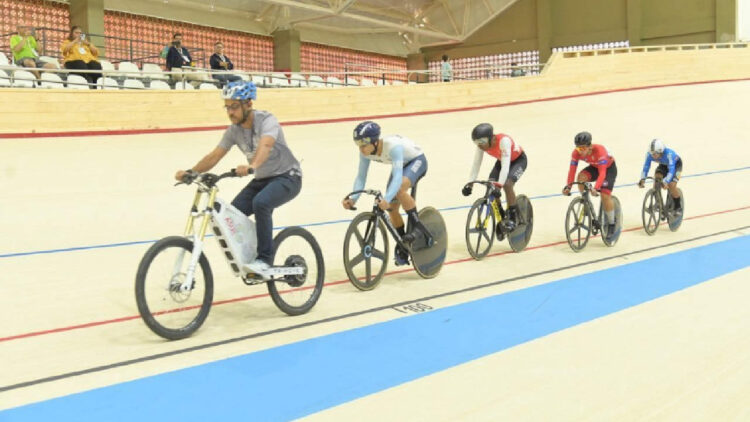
667 173
408 166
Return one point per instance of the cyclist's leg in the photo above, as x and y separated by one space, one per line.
393 212
586 175
659 175
278 190
244 200
608 204
673 186
517 167
606 191
400 255
413 172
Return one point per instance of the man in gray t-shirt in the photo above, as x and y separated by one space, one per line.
278 177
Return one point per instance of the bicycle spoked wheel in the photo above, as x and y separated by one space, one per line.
166 309
577 224
365 251
674 221
480 229
296 294
651 212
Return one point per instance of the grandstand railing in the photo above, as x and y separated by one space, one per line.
653 48
195 75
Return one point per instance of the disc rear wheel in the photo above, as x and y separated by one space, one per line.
520 236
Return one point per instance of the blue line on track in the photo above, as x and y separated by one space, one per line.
322 223
306 377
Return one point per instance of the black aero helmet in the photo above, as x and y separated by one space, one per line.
583 139
367 132
482 133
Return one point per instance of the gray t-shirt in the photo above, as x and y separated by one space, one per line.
280 160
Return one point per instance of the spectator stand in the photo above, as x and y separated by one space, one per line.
368 75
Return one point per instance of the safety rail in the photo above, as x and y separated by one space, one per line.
653 48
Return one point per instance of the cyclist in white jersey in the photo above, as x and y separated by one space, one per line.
408 166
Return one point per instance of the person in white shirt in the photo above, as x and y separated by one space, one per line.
510 165
409 165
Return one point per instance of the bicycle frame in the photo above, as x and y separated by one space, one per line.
234 254
380 215
588 207
495 203
657 191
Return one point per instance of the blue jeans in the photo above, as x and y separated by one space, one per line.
260 197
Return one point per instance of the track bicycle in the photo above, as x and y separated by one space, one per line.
366 244
486 221
655 209
581 221
174 284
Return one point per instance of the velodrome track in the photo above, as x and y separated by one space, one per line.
652 328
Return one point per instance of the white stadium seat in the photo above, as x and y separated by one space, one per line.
107 83
77 82
132 84
157 84
153 71
23 79
51 80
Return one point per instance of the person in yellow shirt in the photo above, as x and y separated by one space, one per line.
79 54
24 48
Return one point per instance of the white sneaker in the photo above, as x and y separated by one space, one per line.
260 268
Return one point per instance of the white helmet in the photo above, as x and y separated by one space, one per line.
657 146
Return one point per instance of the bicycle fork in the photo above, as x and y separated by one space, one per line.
187 284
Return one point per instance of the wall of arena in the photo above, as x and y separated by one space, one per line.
25 112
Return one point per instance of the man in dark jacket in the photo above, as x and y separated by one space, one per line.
220 62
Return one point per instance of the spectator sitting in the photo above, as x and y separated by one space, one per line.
179 57
23 45
221 62
516 71
79 54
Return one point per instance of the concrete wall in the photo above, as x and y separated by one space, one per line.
545 24
743 20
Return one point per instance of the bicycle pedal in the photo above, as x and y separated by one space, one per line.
499 231
400 262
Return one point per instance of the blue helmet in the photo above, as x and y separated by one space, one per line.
240 90
367 132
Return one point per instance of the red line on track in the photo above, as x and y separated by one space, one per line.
333 283
348 119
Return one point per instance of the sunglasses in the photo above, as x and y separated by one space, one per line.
582 148
362 142
481 141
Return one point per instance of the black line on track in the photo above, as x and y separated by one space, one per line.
349 315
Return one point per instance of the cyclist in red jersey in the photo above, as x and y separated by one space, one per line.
510 165
601 169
